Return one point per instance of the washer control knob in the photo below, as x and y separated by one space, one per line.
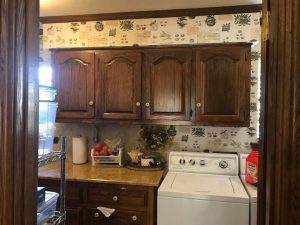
202 162
192 162
182 161
223 164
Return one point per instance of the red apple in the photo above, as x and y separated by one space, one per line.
96 152
98 147
110 150
103 152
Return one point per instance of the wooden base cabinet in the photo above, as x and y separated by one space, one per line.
134 205
74 216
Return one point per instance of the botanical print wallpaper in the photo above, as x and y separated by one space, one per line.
159 31
168 31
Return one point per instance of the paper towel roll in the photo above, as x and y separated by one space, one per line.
79 150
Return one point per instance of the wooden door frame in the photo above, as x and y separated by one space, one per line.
19 54
279 192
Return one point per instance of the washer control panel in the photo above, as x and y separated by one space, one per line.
206 163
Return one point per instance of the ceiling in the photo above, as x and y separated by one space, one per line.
81 7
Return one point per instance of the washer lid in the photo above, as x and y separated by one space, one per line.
204 187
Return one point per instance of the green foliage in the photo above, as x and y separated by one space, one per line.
126 25
242 19
255 56
155 138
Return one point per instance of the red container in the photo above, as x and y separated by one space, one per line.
252 165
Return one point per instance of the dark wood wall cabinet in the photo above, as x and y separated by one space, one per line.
74 79
118 84
222 92
134 205
166 86
188 85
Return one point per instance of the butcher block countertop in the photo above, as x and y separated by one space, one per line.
114 175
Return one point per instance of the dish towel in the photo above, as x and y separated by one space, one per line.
106 211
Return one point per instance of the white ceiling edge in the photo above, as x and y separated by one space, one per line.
83 7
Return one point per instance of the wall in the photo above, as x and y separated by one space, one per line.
162 31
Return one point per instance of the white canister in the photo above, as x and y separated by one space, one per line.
79 150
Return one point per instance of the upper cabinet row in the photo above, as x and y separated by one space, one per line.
207 85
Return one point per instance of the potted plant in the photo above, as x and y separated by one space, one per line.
154 139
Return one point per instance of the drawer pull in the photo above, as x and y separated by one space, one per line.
134 218
123 188
91 103
115 198
147 104
96 215
138 104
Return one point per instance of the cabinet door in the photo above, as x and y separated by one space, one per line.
119 217
74 216
222 92
118 82
167 84
74 80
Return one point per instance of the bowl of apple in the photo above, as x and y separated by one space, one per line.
102 154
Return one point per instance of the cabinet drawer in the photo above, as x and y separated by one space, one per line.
119 217
117 195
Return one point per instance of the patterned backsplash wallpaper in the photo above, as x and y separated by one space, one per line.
165 31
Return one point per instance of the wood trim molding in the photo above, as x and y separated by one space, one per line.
279 190
153 14
262 200
18 111
146 122
145 48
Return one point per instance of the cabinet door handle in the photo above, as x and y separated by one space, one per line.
115 198
91 103
198 105
147 104
96 215
138 104
134 218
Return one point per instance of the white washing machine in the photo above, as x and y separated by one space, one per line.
251 190
202 189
